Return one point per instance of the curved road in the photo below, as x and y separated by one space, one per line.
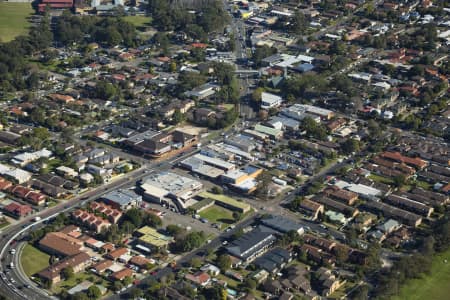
14 284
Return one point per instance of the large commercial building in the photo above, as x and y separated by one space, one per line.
168 187
122 199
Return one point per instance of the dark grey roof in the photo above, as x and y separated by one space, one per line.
251 242
281 224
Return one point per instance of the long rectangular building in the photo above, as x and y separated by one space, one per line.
408 204
389 211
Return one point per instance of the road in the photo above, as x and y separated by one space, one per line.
16 288
214 244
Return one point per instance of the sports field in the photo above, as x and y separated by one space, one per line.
433 287
13 20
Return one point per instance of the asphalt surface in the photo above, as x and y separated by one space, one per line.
14 284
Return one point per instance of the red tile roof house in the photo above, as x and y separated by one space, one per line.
102 266
36 198
60 244
122 274
199 278
29 195
5 184
53 273
116 254
412 161
95 223
17 210
140 261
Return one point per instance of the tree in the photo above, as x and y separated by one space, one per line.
295 204
217 190
237 216
117 286
215 293
299 23
256 95
195 262
153 220
174 230
135 216
136 293
80 296
178 117
68 272
361 293
399 180
350 146
93 292
127 281
191 241
223 262
250 284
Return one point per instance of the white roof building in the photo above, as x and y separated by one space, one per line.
269 100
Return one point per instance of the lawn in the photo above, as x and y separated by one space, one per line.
434 287
33 260
76 279
3 224
138 21
216 214
381 179
13 20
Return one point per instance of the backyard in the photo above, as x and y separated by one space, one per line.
434 286
33 260
13 20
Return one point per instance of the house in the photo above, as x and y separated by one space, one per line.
117 253
210 269
269 100
141 262
5 184
61 244
17 175
274 260
122 274
95 223
50 190
251 244
66 171
77 262
347 197
199 278
396 156
112 214
17 210
389 226
330 283
311 208
203 115
102 266
201 92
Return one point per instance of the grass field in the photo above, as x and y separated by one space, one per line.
433 287
13 20
216 214
33 260
138 21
